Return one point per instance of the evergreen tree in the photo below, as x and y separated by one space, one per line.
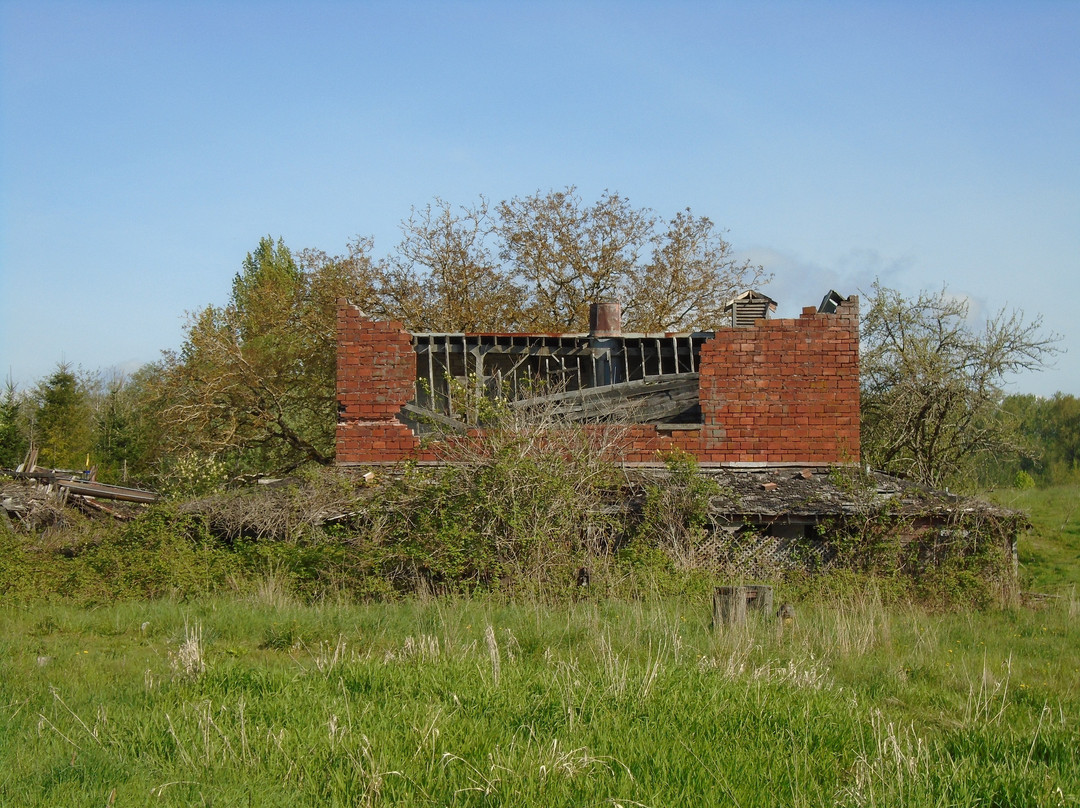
13 439
63 419
255 380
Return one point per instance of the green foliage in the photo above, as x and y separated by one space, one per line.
24 574
63 419
280 636
13 437
676 516
1049 432
965 561
161 554
118 447
75 416
517 520
1023 480
1048 551
255 380
191 475
517 501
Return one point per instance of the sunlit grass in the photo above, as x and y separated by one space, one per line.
1050 552
459 702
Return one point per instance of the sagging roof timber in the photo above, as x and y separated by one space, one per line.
646 378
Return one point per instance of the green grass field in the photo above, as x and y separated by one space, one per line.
232 703
258 700
1050 552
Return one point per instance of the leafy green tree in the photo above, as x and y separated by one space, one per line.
932 383
255 380
1049 429
119 428
1061 435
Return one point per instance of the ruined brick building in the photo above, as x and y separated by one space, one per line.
769 407
755 392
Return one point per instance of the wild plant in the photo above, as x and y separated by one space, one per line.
894 770
189 660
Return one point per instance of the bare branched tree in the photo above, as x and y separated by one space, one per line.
446 276
569 255
669 275
691 276
932 382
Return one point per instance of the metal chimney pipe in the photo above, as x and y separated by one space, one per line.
605 319
605 328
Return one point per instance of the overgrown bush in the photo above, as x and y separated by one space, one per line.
676 516
520 505
515 512
966 561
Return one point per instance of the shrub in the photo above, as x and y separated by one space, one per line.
1023 481
676 515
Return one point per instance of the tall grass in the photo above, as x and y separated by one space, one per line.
464 702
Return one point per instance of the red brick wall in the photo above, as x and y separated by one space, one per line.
783 391
376 373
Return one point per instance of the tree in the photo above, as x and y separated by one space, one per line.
1049 429
62 418
444 276
568 255
690 277
119 433
932 382
13 438
255 379
668 275
1060 435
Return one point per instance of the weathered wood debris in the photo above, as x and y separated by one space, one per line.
35 497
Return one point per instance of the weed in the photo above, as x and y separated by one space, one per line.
280 636
189 659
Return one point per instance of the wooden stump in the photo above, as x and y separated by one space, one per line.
729 606
731 603
759 598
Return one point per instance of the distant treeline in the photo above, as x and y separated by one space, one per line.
1048 432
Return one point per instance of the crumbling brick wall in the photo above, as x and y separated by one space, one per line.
376 371
781 391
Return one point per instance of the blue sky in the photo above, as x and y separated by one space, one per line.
145 147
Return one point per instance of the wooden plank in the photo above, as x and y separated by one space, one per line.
449 397
423 414
651 385
431 376
657 399
103 491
